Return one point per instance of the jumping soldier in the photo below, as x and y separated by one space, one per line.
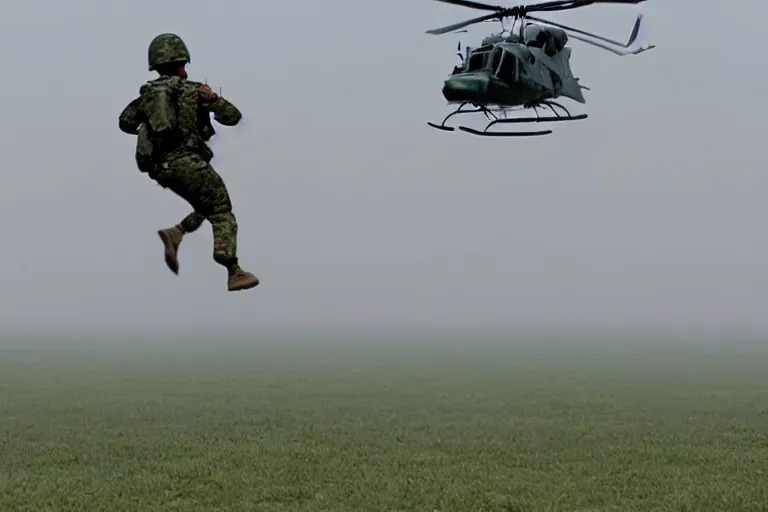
171 118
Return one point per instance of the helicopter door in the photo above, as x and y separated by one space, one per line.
508 68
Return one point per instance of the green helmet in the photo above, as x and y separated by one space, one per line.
165 49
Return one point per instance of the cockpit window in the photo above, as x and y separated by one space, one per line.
477 62
508 67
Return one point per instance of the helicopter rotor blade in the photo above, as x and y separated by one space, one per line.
554 5
618 50
475 5
501 12
632 37
457 26
613 46
563 5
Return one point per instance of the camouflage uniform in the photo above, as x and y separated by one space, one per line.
181 164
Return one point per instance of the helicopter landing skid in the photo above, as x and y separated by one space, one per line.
442 126
488 113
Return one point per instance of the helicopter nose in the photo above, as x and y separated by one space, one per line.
465 87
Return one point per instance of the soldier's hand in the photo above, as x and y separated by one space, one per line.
207 94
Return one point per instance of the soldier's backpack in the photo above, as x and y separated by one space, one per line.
159 103
169 105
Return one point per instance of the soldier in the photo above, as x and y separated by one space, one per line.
171 118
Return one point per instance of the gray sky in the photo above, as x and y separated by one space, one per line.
352 211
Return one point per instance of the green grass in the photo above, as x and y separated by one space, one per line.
387 426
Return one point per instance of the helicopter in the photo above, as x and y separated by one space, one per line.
524 69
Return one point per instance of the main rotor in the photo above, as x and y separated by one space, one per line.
518 11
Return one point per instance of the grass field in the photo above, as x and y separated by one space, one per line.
378 426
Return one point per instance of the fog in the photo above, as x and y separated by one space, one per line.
354 213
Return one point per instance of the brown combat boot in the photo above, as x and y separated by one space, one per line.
171 238
239 279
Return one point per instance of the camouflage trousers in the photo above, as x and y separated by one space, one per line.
196 181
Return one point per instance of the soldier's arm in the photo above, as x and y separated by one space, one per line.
224 112
130 119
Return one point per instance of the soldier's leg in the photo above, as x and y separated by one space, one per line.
190 223
224 225
218 210
172 237
196 181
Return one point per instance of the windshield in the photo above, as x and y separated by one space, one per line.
477 61
507 68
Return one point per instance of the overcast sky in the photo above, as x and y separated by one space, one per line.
352 211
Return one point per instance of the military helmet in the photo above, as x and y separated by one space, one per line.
165 49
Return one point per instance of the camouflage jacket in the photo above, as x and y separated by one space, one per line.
225 113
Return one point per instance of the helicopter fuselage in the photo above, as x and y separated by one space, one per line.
509 73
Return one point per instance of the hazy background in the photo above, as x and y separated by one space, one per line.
352 211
